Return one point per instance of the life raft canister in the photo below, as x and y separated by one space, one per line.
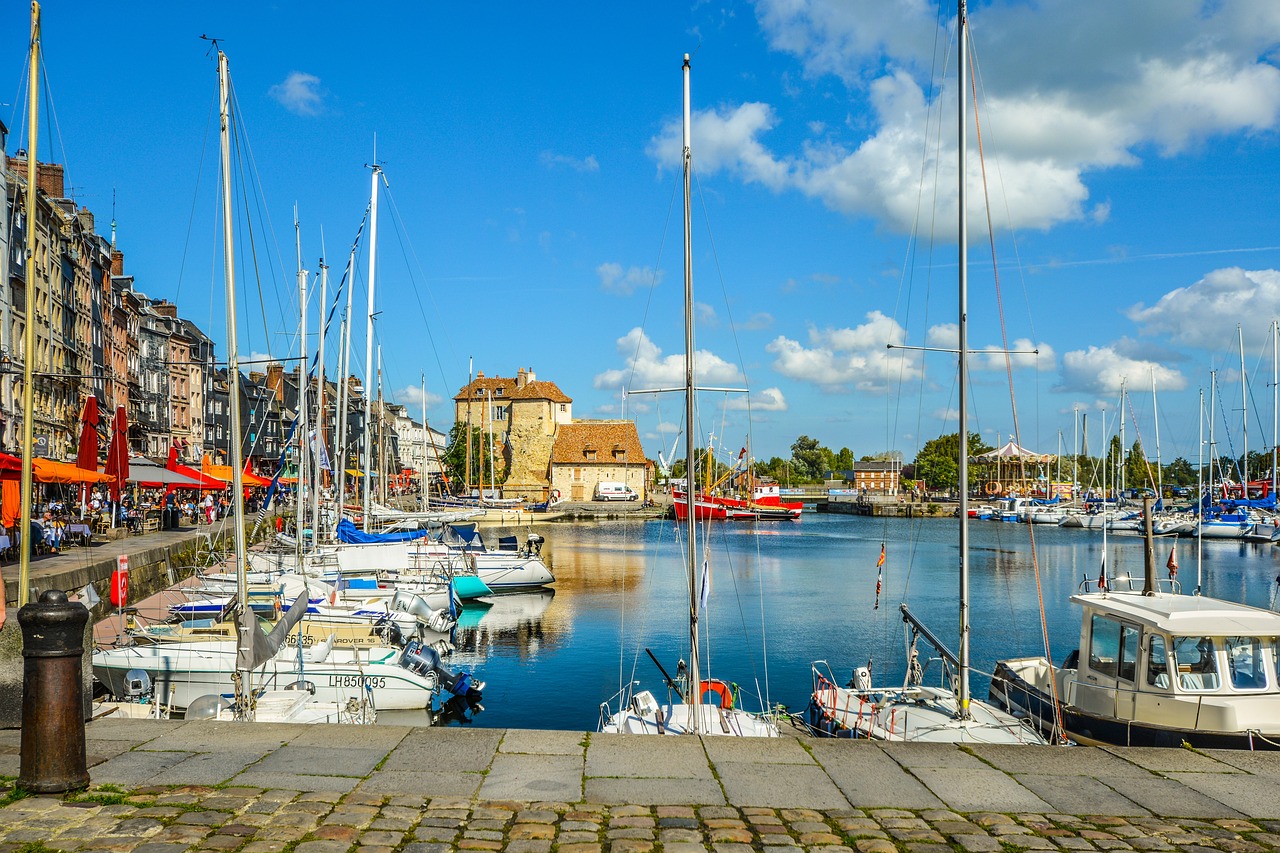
719 688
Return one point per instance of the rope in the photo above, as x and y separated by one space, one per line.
1013 403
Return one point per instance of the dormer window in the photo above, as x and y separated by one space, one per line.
497 392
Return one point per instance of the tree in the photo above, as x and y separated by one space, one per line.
1136 473
1179 472
843 460
807 458
455 459
937 463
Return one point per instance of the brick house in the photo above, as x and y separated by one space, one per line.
593 452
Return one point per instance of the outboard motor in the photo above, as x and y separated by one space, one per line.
425 661
534 544
861 678
137 685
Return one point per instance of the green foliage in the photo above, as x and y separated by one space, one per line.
1179 472
808 458
843 460
937 463
455 459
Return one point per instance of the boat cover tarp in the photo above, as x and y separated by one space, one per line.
1268 502
349 533
466 536
508 543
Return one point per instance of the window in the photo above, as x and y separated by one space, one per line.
497 392
1197 661
1245 656
1104 645
498 413
1157 662
562 407
1128 670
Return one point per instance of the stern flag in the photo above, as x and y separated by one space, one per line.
1102 573
879 576
1172 564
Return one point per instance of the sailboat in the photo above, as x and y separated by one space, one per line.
684 711
320 684
914 711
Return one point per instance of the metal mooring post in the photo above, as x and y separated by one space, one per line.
53 746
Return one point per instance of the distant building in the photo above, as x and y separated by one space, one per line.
876 478
588 453
524 415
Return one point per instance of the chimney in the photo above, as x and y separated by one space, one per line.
529 376
86 220
49 179
275 380
165 308
117 262
479 374
521 378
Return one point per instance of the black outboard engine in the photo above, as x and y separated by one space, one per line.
425 661
534 544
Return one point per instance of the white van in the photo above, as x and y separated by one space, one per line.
614 491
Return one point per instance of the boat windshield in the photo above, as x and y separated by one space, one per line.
1157 662
1246 661
1197 663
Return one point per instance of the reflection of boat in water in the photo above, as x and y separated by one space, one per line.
510 621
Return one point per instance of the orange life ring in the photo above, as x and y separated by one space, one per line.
719 688
993 488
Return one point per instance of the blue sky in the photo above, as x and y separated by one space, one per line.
534 219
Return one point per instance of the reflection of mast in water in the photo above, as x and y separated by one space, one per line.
514 621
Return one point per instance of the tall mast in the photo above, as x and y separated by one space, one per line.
1244 407
344 393
694 698
1120 480
247 622
1275 396
1155 416
962 42
471 396
1200 492
29 327
493 480
366 456
426 435
303 421
382 436
1075 455
319 444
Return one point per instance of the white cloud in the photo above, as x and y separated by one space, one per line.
840 359
646 366
762 320
614 279
1069 89
948 416
1205 314
1101 370
299 93
768 400
585 164
411 396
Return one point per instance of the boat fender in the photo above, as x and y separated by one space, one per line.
719 688
993 488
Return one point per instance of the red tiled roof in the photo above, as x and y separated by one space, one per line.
605 437
504 388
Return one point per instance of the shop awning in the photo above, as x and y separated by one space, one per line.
50 471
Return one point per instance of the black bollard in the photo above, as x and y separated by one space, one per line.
53 746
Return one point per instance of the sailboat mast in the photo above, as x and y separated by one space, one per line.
319 445
694 699
29 329
493 480
247 622
1275 396
344 393
366 456
1155 416
962 470
1120 480
1244 407
426 435
1075 455
303 421
1200 493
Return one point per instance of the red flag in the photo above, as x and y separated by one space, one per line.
1102 574
1172 563
879 576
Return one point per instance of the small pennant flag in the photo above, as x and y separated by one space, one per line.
879 576
1172 563
704 587
1102 573
89 596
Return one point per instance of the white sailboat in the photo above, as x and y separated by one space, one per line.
684 711
916 712
344 683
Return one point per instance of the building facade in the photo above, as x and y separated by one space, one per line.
589 453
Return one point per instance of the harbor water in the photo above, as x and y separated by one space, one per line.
784 594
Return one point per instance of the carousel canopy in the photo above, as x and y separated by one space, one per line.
1011 452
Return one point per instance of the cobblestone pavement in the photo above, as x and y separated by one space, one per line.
257 820
160 786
